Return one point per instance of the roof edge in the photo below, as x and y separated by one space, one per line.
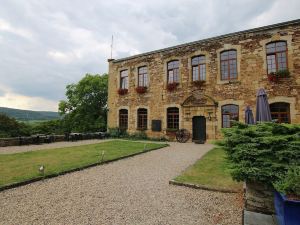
257 29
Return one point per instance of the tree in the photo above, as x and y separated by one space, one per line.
10 127
86 106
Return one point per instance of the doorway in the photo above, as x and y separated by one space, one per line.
199 129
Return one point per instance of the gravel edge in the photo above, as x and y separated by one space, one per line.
22 183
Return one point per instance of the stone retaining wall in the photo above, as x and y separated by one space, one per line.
259 198
17 141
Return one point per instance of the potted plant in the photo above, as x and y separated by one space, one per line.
141 89
172 86
273 77
198 83
122 91
287 197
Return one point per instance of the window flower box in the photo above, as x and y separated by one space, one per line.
199 83
122 91
141 89
172 86
275 76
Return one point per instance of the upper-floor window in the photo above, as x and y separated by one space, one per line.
280 111
173 118
124 79
229 112
229 65
198 68
123 119
142 76
142 119
173 72
276 56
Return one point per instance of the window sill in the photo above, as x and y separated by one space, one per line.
229 82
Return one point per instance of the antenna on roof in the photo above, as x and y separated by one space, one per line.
111 46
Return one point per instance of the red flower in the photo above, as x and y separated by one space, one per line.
122 91
141 89
172 86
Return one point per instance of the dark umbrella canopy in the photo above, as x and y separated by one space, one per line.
263 113
249 118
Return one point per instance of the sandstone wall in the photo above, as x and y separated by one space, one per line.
252 75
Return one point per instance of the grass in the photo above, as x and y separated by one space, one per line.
211 171
24 166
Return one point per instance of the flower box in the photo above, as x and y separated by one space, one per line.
275 76
287 211
199 83
141 89
122 91
172 86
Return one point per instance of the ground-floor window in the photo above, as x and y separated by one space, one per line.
280 111
229 113
123 119
173 118
142 119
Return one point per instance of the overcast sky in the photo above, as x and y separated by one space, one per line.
47 44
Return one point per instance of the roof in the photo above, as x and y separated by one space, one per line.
258 29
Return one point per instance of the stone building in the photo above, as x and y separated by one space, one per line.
203 85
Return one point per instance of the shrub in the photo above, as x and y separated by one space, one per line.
116 132
261 152
140 135
289 183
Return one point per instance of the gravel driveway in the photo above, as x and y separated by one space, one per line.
133 191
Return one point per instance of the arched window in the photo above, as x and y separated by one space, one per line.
142 119
198 68
173 72
143 76
124 79
173 118
123 119
228 65
229 113
280 111
276 56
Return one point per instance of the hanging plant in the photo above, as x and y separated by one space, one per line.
122 91
141 89
172 86
275 76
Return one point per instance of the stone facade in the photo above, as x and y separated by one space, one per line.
207 100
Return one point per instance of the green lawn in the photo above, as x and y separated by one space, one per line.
211 171
24 166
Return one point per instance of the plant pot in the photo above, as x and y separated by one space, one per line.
287 211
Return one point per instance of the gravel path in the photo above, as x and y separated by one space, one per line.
133 191
27 148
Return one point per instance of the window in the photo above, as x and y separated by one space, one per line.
142 119
173 118
123 119
280 111
124 79
173 71
198 68
276 56
228 65
229 113
142 76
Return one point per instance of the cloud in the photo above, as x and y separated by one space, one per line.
45 45
6 26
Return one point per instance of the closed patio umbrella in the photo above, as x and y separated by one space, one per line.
249 118
263 113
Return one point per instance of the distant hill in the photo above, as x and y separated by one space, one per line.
27 115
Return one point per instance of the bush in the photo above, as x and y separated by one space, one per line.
289 182
139 135
261 152
116 132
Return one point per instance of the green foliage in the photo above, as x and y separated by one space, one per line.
48 127
86 106
10 127
261 152
289 183
116 132
139 135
